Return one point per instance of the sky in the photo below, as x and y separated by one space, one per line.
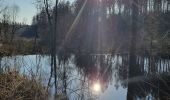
27 9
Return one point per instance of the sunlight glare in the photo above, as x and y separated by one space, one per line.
96 87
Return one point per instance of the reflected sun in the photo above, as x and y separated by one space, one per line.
97 87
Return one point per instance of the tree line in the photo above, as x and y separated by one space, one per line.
105 26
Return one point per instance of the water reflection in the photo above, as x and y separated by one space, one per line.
96 87
86 76
97 68
150 88
149 80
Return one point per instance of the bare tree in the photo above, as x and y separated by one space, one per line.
15 10
5 25
132 56
2 9
53 30
2 6
35 23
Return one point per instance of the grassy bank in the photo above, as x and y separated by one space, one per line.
14 86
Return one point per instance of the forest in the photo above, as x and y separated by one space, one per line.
127 41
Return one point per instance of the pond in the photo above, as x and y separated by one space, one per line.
98 77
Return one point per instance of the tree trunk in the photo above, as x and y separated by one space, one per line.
132 56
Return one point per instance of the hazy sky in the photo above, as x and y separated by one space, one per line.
27 9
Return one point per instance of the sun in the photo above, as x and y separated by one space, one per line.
97 87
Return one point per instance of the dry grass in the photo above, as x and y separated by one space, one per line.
14 86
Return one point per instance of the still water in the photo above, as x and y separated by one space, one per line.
98 77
